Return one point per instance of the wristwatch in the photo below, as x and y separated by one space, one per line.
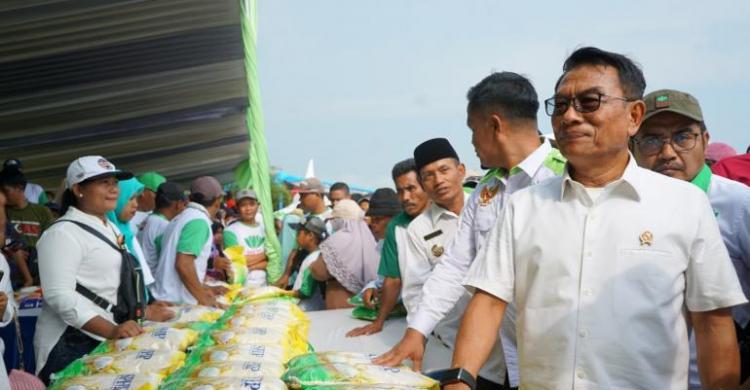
454 375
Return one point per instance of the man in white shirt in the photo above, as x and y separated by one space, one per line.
147 199
606 263
501 112
672 140
186 247
170 201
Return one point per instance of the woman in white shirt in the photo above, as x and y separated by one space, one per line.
70 324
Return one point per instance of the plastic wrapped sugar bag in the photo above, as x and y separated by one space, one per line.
109 382
172 339
146 361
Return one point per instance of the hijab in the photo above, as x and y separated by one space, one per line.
350 254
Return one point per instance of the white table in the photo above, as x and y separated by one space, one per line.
328 330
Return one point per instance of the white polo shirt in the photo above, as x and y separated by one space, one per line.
444 287
601 287
153 228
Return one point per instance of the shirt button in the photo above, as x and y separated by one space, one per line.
587 292
579 374
583 333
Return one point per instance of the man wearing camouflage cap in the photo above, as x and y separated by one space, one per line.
672 140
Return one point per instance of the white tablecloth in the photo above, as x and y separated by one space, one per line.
328 330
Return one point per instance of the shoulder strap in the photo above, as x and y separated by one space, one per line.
92 231
99 301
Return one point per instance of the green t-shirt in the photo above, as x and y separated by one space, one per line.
389 255
193 237
29 222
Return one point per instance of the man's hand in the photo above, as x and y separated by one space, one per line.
375 327
222 263
159 311
3 303
125 330
457 386
218 290
411 347
282 282
370 298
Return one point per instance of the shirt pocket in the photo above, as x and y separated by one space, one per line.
486 216
656 274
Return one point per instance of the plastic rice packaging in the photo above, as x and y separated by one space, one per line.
321 358
245 353
252 335
350 375
260 293
109 382
146 361
282 305
162 337
240 369
238 273
226 383
197 313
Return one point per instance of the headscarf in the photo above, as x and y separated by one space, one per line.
350 254
128 189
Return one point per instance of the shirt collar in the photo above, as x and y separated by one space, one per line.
199 207
78 215
629 182
703 178
529 165
435 212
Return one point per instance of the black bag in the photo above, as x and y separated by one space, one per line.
131 300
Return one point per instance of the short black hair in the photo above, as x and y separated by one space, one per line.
339 186
510 93
12 177
403 167
630 74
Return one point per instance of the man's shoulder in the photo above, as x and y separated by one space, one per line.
421 222
729 187
550 187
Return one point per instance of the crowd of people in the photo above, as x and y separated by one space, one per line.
615 255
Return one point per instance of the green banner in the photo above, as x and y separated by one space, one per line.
260 177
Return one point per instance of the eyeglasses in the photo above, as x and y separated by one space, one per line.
586 103
680 142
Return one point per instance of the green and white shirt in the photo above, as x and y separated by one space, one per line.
150 238
253 239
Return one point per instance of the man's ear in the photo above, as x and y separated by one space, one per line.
637 111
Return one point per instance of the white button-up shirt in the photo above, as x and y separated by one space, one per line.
601 287
444 287
69 255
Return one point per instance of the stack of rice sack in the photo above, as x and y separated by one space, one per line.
349 370
249 349
140 362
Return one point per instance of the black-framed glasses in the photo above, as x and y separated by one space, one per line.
585 103
681 142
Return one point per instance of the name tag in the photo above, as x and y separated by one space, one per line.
433 235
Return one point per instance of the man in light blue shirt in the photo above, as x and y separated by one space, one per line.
672 140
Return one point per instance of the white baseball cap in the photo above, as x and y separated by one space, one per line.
93 167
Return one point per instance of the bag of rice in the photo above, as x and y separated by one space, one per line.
240 369
109 382
225 383
145 361
260 293
238 273
245 353
251 335
321 358
341 374
163 337
197 313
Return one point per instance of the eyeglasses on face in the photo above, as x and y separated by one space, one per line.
681 142
584 103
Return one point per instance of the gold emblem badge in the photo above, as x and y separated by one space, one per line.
437 250
647 238
487 194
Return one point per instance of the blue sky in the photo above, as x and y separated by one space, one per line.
357 85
